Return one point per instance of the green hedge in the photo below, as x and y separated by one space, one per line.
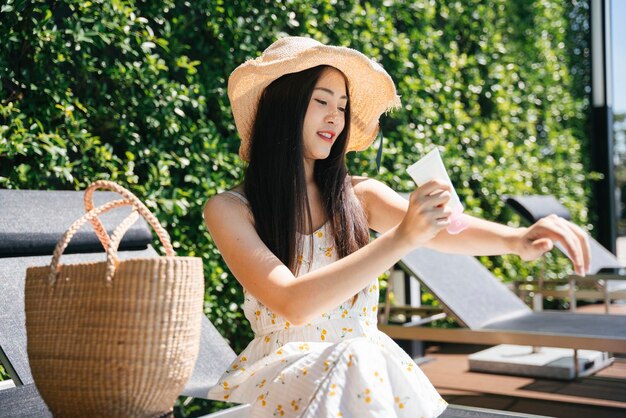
135 92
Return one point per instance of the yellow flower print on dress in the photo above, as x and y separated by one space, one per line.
333 390
409 367
366 396
300 261
327 251
319 234
295 404
239 367
323 334
350 360
303 372
226 388
378 376
345 331
279 411
401 402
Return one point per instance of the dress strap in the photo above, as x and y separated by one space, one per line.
238 195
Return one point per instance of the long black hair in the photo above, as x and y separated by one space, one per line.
275 177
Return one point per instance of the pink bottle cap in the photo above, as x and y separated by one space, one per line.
458 223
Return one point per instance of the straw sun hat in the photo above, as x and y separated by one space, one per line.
371 90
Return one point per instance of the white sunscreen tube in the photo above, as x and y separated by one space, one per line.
431 167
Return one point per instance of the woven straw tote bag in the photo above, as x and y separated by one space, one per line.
117 338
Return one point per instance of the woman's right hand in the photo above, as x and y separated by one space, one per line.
427 214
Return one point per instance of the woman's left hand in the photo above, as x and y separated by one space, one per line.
540 238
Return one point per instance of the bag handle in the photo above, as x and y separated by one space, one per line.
114 245
112 259
69 233
136 203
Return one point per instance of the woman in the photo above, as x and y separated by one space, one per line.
296 236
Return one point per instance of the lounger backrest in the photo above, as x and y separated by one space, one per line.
31 221
534 207
466 287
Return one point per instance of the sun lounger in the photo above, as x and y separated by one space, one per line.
492 314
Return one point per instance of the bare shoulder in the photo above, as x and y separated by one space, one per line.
359 185
357 181
225 207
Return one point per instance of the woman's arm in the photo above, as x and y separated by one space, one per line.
270 281
386 208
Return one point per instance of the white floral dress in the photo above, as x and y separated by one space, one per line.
338 365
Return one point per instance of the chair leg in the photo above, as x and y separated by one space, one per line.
572 294
538 297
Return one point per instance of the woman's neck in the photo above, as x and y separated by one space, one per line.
309 166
